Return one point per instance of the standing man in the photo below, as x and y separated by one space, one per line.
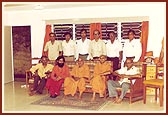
53 47
82 46
40 72
97 46
132 47
114 51
68 47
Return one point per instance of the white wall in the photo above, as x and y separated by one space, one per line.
156 13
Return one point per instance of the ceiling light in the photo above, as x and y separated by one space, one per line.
39 7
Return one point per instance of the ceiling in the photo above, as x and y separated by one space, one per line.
22 6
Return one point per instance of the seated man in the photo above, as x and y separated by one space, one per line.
124 73
79 75
59 73
101 70
40 72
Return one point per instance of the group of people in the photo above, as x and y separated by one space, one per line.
53 77
92 49
85 49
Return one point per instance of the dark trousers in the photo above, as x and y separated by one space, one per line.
115 61
39 86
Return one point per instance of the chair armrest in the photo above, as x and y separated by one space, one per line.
28 74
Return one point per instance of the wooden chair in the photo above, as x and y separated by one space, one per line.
29 77
135 92
156 83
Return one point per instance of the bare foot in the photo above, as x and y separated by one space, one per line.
32 93
93 99
65 96
101 95
119 101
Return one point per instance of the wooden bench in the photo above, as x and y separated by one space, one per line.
70 64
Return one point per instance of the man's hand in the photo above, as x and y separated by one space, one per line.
75 78
58 78
121 76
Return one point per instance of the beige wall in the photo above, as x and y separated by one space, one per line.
7 56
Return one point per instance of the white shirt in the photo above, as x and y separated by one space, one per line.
114 48
133 48
134 70
82 47
53 49
68 48
97 48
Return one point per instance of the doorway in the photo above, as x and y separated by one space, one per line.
21 38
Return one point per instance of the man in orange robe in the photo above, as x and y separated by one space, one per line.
79 75
59 73
101 70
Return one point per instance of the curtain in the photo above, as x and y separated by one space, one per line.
144 38
95 26
46 38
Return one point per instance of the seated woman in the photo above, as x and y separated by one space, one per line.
59 73
79 75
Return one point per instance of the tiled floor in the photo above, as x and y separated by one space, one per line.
16 99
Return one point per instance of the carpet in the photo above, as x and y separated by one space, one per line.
72 102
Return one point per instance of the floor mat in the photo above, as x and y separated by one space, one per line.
72 102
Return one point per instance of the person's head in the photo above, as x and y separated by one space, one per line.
128 63
111 35
83 33
102 58
52 36
131 34
60 61
44 60
96 34
67 36
80 62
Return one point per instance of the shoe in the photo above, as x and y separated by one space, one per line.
53 96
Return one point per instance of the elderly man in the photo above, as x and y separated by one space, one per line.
101 70
124 73
97 46
79 75
40 72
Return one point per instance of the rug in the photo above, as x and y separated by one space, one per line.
72 102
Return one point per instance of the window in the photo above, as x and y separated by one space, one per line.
61 29
78 28
136 26
106 28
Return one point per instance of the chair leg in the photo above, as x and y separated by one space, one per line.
130 100
161 96
144 94
156 94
